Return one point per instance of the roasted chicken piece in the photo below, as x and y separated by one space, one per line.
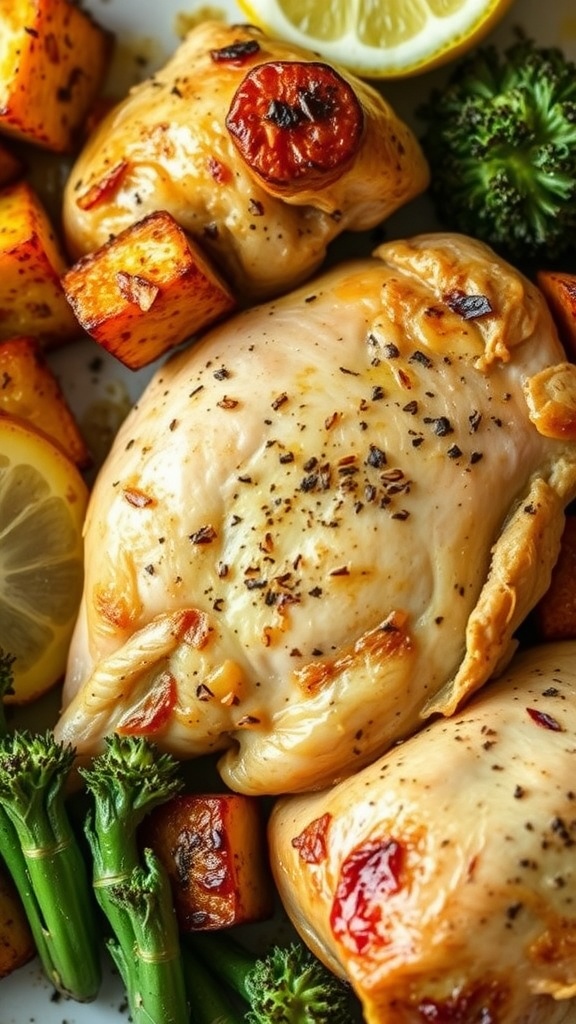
325 521
441 879
260 151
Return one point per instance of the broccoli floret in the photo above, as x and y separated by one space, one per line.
43 855
500 138
288 985
133 890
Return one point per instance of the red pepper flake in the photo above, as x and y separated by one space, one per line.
469 307
137 498
154 710
104 188
544 720
312 843
369 874
218 171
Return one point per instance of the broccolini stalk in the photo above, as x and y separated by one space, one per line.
211 1002
44 858
286 986
150 963
126 781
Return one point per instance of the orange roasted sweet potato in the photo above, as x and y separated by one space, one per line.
32 300
30 390
16 942
53 60
559 290
213 847
146 290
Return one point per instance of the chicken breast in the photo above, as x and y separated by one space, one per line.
264 170
325 521
441 879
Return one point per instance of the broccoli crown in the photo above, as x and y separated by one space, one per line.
500 138
129 778
290 986
33 771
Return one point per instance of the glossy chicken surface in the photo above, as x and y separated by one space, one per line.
441 879
265 186
325 521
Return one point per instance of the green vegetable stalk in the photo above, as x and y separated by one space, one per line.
286 986
500 138
43 856
126 782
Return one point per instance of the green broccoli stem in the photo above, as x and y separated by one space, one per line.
207 996
232 962
148 954
285 986
43 856
126 782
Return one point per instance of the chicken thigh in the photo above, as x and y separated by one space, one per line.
325 521
262 153
441 879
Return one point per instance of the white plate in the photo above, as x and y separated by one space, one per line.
99 390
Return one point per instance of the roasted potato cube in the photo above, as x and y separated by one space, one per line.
16 943
555 613
30 390
53 61
559 290
32 300
146 291
213 847
10 166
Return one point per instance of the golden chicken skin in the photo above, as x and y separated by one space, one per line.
263 153
325 521
441 880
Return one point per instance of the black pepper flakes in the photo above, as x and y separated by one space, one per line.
376 457
440 425
421 358
205 535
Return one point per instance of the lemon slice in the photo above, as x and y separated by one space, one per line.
43 501
379 38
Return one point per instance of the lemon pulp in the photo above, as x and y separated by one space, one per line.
42 505
379 38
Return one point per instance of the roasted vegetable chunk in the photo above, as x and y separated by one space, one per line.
559 290
146 291
30 390
213 849
16 945
52 65
32 300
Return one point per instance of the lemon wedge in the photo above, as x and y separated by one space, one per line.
43 500
379 38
